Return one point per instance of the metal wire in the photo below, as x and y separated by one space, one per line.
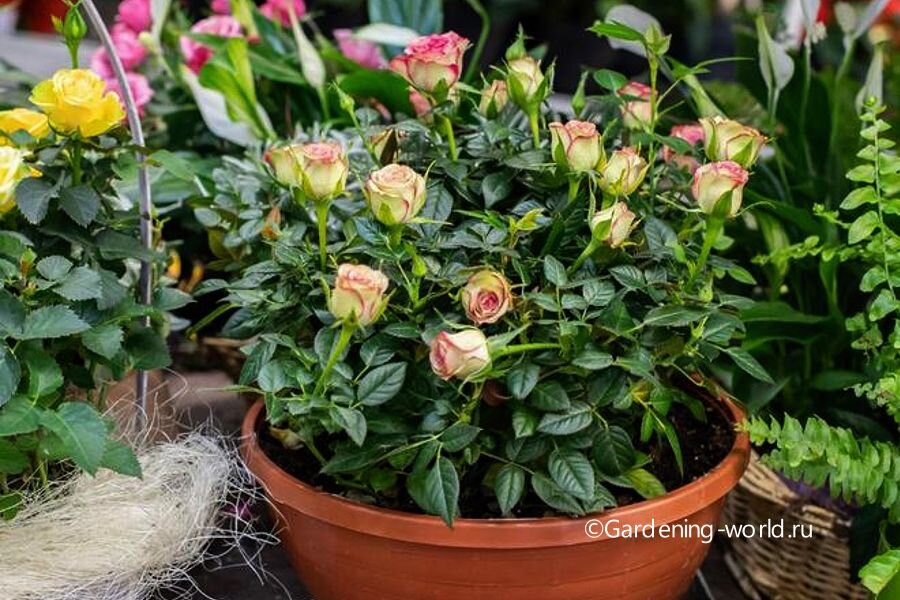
145 283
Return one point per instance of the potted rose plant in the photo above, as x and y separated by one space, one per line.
497 317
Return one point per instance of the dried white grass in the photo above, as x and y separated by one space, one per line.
113 537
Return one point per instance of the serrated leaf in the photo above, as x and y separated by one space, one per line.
598 293
566 423
19 416
81 283
81 203
44 374
442 489
81 431
120 458
458 436
572 472
50 322
555 272
549 396
508 487
12 314
167 299
54 267
673 316
592 359
750 365
553 496
521 379
33 198
381 384
524 422
352 421
147 349
272 378
105 340
613 451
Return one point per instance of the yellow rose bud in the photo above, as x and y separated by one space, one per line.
713 180
21 119
319 169
613 225
493 98
576 145
76 102
623 172
725 139
395 194
358 294
637 110
523 79
13 169
486 297
459 355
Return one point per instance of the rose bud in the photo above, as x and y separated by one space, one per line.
272 225
395 194
358 294
617 222
493 98
460 354
729 140
523 79
319 169
576 145
486 297
714 180
637 111
432 61
623 172
692 134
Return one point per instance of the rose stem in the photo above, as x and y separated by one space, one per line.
451 140
347 330
522 348
322 222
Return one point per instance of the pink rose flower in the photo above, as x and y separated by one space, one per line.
100 64
713 180
135 14
460 354
140 90
431 60
221 7
486 297
358 294
637 111
196 54
278 10
129 48
693 134
576 145
361 52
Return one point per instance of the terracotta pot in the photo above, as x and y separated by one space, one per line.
349 551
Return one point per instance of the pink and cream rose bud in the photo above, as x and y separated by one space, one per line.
395 194
493 98
486 297
319 169
613 225
623 172
524 78
729 140
358 294
196 54
637 111
576 145
460 354
691 133
712 181
432 61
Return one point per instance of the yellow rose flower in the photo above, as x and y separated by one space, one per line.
22 119
76 101
13 169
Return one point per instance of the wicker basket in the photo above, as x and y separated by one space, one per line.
815 567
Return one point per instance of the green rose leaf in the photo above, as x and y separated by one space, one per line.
572 472
81 203
49 322
120 458
508 487
442 489
81 431
381 384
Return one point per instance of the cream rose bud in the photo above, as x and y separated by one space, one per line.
432 60
619 221
637 111
729 140
691 133
524 77
714 180
576 145
319 169
358 294
486 297
460 354
493 98
623 172
395 194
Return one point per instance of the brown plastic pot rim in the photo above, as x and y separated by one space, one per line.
674 507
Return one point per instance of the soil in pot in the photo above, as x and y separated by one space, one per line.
704 445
